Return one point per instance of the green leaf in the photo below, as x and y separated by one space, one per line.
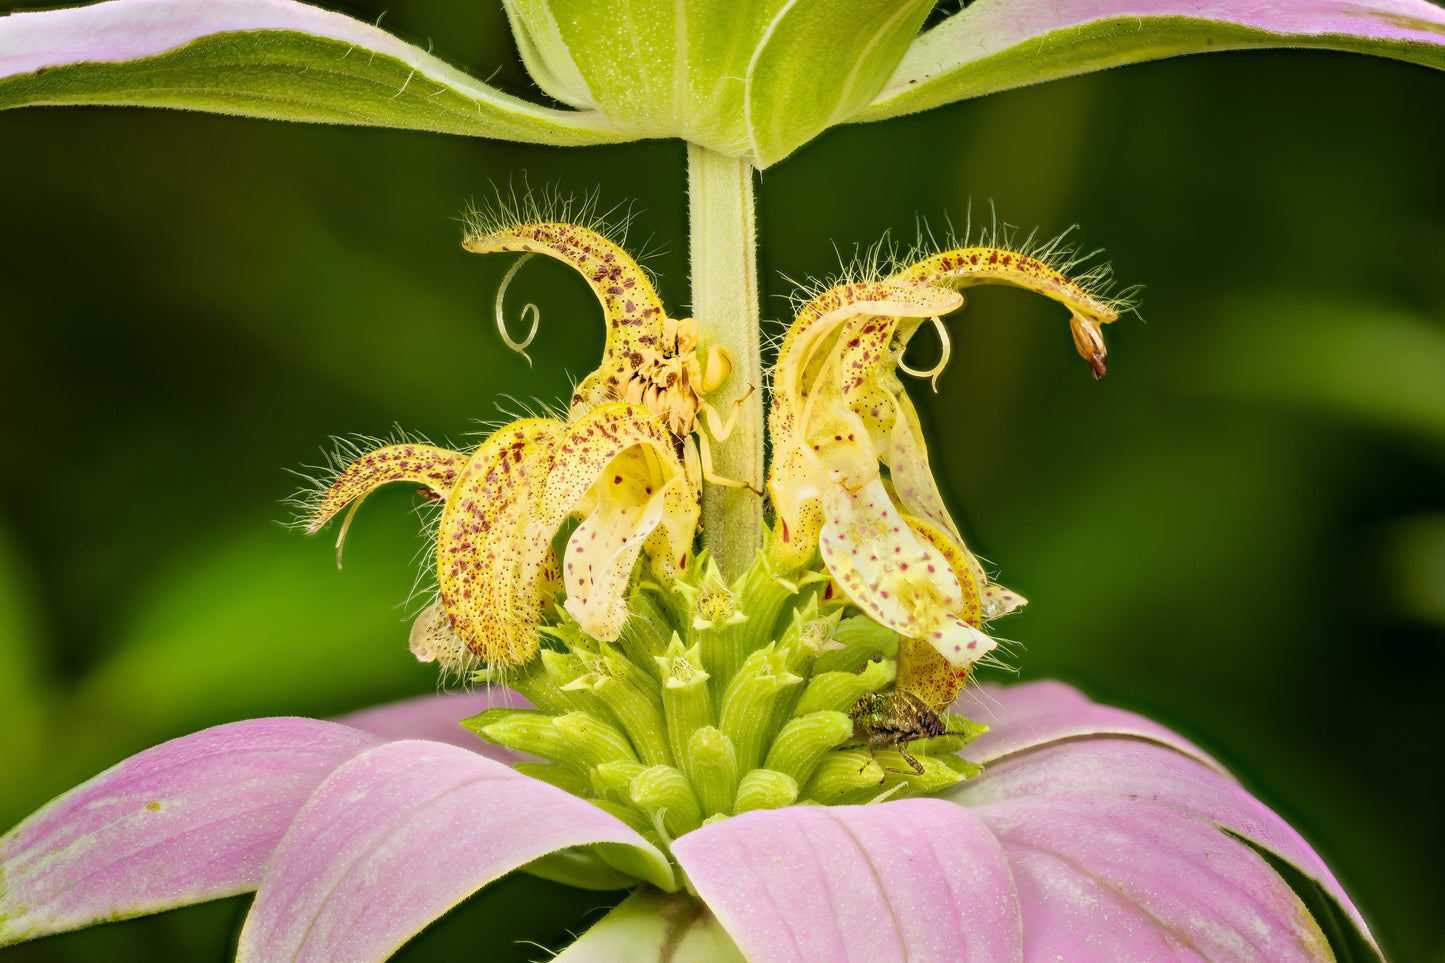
545 54
278 59
755 79
655 68
820 64
995 45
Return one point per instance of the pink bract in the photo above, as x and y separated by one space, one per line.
1093 834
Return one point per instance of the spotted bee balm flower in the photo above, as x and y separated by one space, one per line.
729 749
626 462
762 720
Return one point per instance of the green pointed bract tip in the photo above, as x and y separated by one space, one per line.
755 695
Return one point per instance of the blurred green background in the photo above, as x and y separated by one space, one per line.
1241 531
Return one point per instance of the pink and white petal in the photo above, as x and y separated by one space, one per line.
920 879
1145 771
1102 877
173 53
653 926
988 47
1024 716
438 718
404 832
193 819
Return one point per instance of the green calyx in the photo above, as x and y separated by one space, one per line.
720 699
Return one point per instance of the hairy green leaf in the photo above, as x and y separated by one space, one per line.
275 59
995 45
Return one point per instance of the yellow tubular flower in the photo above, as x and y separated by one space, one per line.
840 416
617 464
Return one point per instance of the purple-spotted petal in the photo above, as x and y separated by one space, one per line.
403 833
1109 878
1162 777
437 719
920 879
1021 717
193 819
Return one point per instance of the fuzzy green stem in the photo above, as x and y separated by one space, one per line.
723 255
